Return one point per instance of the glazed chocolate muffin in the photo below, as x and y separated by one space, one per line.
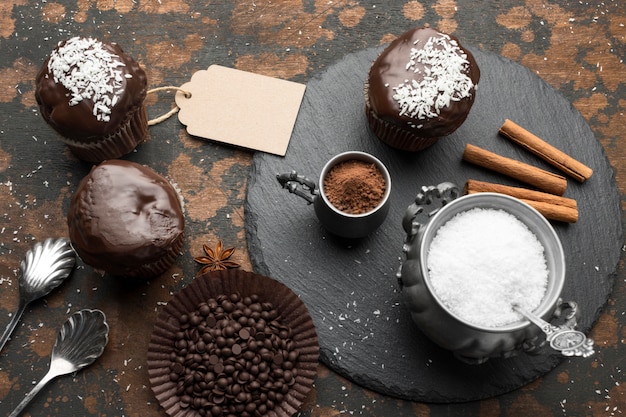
92 94
420 88
126 220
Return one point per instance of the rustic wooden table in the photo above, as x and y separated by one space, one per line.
576 47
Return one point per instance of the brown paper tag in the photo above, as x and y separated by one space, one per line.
240 108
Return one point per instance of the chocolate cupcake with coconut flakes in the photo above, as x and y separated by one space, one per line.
420 89
92 94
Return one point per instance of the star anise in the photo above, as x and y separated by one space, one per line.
216 259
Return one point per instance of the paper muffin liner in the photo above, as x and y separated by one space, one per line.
162 264
293 314
132 132
393 135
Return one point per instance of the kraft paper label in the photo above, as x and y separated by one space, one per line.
240 108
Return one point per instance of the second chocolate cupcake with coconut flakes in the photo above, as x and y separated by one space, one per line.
420 88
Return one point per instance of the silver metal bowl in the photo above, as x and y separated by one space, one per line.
468 341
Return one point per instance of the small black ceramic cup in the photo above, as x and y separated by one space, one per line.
338 222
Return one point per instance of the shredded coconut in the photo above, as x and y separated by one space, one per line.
89 72
481 261
442 64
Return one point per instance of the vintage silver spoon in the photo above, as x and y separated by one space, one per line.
564 339
79 343
43 269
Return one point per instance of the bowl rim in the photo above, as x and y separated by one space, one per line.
360 156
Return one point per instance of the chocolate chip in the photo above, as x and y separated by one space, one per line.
278 359
244 334
222 383
250 407
229 331
207 338
204 309
288 376
229 369
220 341
226 352
177 368
241 397
218 368
211 321
195 319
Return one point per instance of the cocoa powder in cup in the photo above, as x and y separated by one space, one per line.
355 186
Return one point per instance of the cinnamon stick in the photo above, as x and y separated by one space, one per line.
539 178
551 206
545 151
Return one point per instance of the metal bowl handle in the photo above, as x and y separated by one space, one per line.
563 337
428 195
298 185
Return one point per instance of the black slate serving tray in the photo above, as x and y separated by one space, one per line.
350 287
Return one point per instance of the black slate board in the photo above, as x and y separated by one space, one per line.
350 288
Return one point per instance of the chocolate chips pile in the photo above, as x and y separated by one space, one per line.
233 357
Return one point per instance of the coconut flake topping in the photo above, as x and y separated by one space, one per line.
442 67
89 72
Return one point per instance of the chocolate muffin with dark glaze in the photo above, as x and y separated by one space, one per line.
92 94
420 88
127 220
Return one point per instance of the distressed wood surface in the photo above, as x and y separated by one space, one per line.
576 47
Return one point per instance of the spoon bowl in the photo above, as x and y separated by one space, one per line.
43 269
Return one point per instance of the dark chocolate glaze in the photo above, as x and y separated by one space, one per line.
77 122
124 215
389 70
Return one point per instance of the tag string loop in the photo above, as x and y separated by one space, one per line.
173 111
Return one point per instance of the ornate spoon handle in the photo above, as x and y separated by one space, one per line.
50 375
564 339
